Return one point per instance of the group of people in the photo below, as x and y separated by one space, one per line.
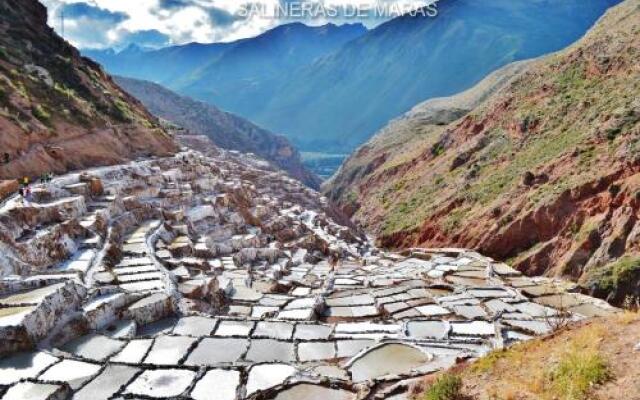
25 190
25 187
46 177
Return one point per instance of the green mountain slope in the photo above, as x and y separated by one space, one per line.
545 173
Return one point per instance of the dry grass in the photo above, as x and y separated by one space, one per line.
446 387
545 369
628 317
591 361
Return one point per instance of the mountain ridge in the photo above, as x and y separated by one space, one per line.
226 130
193 59
313 94
399 59
542 174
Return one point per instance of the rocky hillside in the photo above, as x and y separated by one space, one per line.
224 129
59 111
408 136
544 173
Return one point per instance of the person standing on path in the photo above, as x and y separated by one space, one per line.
28 195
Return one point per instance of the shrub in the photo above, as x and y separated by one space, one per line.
437 150
447 387
576 373
40 113
613 133
623 270
123 113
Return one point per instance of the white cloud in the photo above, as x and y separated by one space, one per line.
179 21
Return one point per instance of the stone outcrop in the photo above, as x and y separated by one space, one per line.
8 188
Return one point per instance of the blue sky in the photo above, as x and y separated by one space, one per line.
157 23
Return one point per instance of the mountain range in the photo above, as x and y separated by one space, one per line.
330 88
239 76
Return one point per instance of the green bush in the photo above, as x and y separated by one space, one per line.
576 373
613 133
612 275
40 113
437 150
123 112
447 387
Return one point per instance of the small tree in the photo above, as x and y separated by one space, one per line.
560 318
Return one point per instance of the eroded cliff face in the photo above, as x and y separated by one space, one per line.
59 111
544 173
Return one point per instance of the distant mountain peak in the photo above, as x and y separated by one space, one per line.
134 48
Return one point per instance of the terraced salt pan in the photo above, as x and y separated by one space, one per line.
388 359
34 391
349 348
31 297
267 350
274 330
24 366
14 316
433 311
195 326
169 350
315 351
265 376
280 302
94 347
162 383
313 392
217 384
475 328
428 329
134 352
213 351
234 328
75 373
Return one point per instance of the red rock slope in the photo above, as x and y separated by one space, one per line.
545 173
59 111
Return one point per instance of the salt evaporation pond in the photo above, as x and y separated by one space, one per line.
388 359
